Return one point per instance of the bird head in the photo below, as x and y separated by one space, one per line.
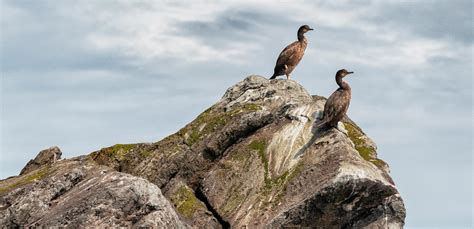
304 29
343 72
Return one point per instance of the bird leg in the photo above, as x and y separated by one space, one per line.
285 67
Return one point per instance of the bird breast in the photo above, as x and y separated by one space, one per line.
336 105
298 54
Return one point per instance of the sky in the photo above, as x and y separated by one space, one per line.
84 75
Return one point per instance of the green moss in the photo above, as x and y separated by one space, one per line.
186 202
365 151
379 163
194 136
279 181
260 146
270 183
204 124
211 120
146 153
251 107
296 170
26 179
113 154
119 151
271 186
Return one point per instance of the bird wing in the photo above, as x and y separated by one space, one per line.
334 106
329 108
287 53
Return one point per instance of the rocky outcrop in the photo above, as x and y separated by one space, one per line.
78 192
45 157
253 159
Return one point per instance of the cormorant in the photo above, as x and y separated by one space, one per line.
292 54
337 104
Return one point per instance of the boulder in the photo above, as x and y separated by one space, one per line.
252 160
78 192
47 156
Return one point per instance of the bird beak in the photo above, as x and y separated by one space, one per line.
350 72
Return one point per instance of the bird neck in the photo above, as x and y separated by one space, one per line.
342 84
301 37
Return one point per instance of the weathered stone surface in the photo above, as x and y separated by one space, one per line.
192 210
254 159
80 193
47 156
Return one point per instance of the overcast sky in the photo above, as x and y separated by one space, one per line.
84 75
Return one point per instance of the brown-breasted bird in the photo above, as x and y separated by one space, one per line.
291 55
337 104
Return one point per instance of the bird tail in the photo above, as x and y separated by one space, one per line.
322 125
279 70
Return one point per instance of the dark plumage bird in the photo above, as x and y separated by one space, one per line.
337 104
292 54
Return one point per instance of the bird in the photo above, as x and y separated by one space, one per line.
291 55
337 104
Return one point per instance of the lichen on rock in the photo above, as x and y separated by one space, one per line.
364 145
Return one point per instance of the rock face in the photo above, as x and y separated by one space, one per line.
253 159
47 156
78 192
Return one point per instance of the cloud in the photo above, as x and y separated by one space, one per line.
150 32
153 35
430 19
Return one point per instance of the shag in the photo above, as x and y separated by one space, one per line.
337 104
292 54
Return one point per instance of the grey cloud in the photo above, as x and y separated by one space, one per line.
228 27
434 19
41 38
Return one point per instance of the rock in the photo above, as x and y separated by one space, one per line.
80 193
192 210
253 159
47 156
